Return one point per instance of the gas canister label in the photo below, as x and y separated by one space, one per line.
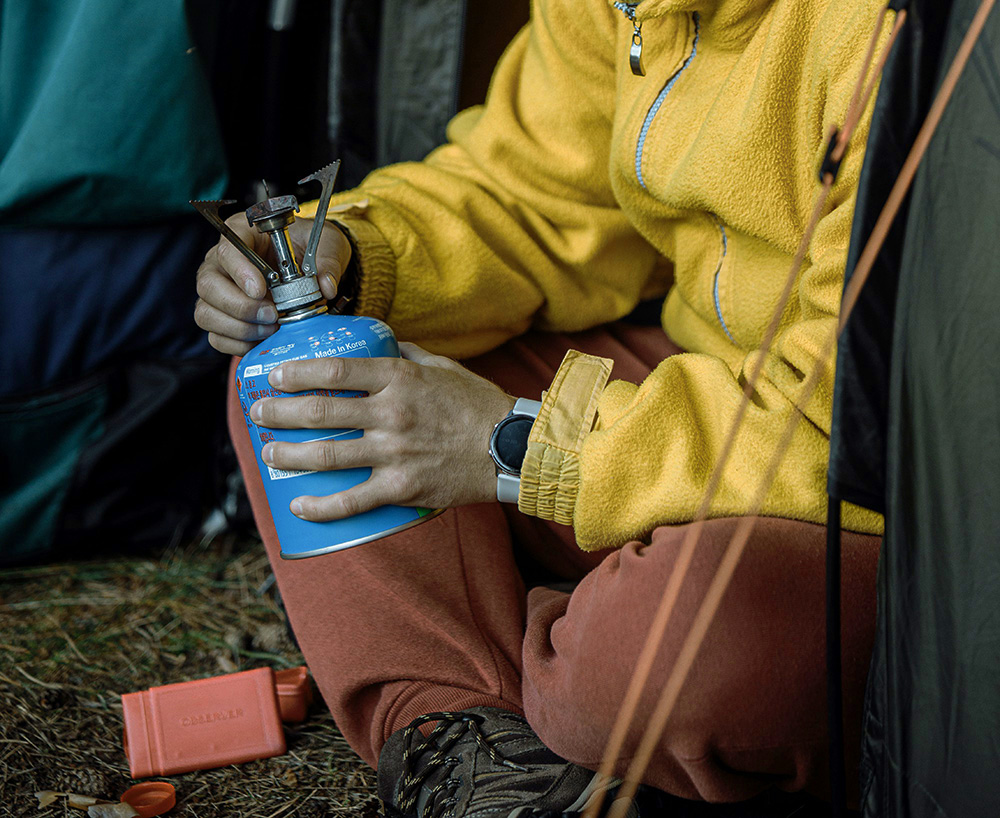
250 371
285 474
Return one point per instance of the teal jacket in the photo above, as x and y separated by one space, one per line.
105 114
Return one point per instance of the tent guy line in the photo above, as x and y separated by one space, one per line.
838 140
740 537
734 549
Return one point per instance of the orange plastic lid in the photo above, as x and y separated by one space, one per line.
292 677
294 693
150 798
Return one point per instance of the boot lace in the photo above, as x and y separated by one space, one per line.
450 728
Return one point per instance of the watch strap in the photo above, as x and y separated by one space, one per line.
350 279
508 487
523 406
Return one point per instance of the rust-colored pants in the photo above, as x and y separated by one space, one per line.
438 618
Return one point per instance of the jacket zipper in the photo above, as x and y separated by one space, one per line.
635 62
715 284
635 51
651 114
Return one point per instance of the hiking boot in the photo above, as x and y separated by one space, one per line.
480 763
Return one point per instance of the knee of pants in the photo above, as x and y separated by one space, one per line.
572 708
573 677
754 700
580 652
716 746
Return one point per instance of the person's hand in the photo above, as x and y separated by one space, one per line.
427 423
234 305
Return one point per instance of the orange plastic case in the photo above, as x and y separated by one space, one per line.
202 724
295 693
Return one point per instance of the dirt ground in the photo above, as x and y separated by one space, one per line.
75 636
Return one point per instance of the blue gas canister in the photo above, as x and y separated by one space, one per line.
307 329
321 336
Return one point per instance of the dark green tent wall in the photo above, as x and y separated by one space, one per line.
917 432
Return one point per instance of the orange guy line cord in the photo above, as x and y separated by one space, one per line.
855 107
858 107
713 597
741 536
644 664
661 619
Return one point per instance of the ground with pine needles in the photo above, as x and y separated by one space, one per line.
75 636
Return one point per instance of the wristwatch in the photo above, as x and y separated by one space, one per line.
508 443
350 279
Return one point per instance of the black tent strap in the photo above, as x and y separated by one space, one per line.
831 165
834 676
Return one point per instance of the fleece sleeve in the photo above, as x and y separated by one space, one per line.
513 223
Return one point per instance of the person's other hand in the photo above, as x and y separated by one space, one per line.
427 423
234 304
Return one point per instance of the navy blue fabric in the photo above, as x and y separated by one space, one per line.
81 299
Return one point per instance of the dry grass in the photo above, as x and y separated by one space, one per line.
73 637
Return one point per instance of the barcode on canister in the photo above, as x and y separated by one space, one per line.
285 474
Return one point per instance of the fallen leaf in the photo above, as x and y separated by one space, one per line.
234 637
119 810
46 797
270 638
80 801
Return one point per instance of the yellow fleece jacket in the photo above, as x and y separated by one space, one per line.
580 189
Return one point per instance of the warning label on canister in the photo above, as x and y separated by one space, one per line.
285 474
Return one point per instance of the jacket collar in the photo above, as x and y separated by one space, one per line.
732 20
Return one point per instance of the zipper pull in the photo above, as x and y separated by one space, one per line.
635 52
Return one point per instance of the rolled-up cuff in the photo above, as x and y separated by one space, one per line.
550 473
377 265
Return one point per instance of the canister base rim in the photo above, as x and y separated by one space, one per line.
329 549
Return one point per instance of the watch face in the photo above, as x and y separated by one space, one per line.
510 442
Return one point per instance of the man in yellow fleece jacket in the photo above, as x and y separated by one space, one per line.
584 186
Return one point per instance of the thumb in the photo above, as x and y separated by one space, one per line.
236 265
332 254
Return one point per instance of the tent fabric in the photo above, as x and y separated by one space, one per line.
420 64
395 77
353 87
399 70
916 432
933 723
860 416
